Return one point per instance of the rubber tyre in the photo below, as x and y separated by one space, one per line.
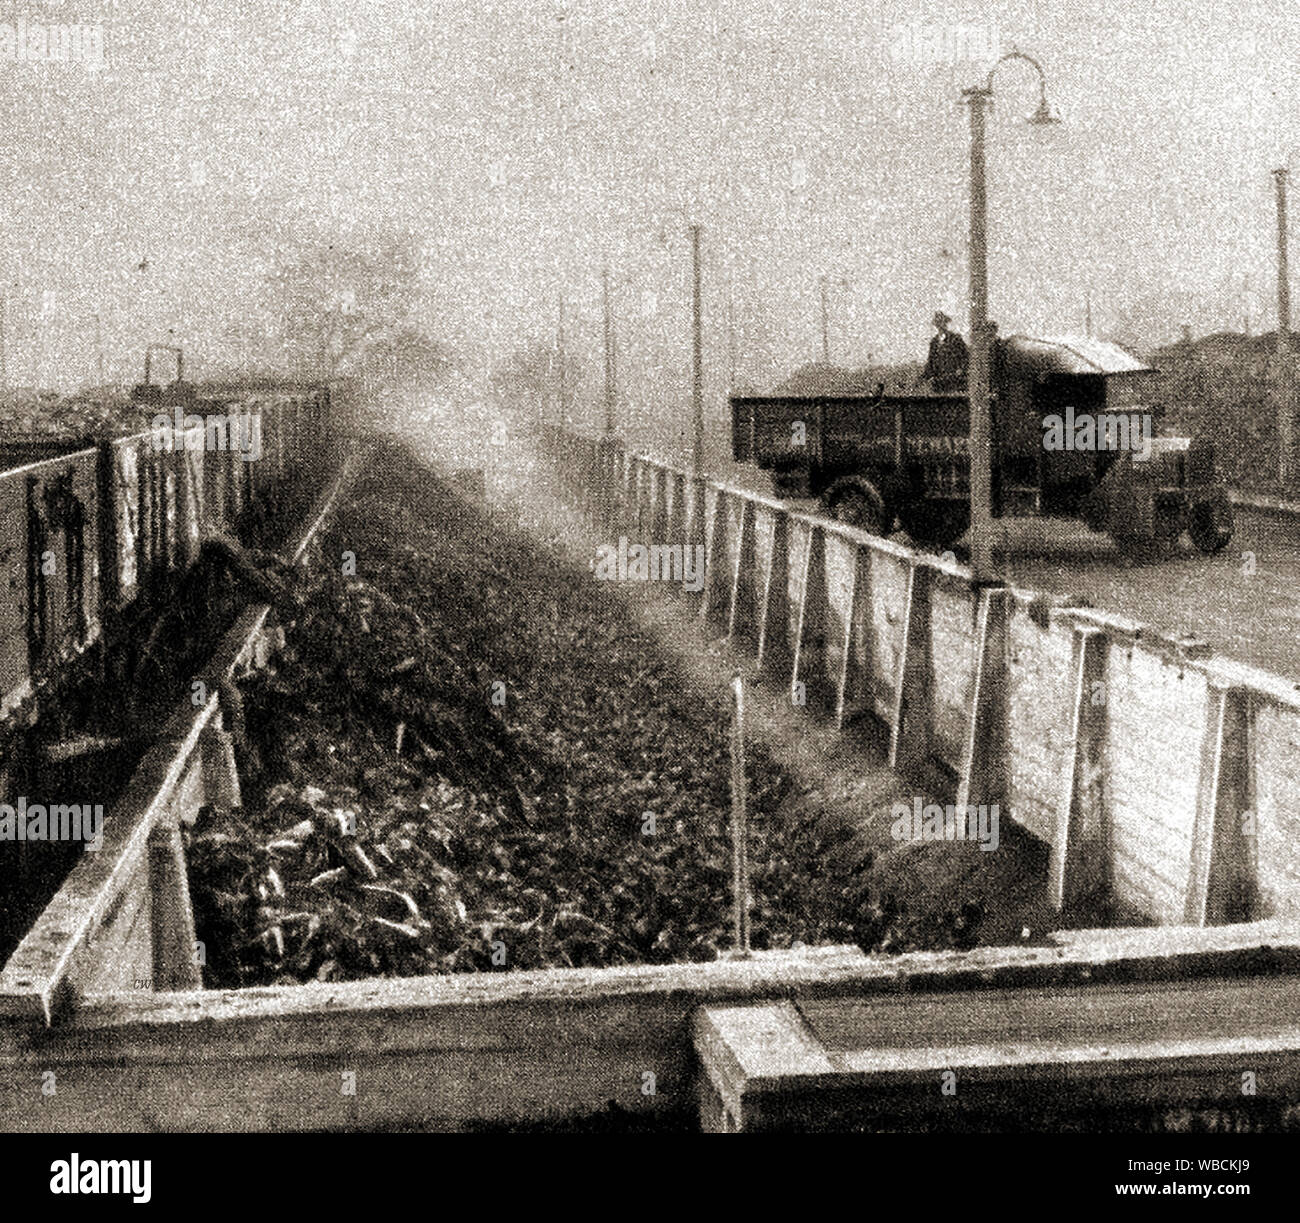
861 506
934 525
1210 530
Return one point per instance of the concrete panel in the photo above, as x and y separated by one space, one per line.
1277 809
888 600
1156 717
1038 720
954 625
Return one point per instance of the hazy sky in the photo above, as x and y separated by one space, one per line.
526 145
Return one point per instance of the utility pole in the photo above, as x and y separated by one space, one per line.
99 352
1285 372
1087 314
610 385
731 339
983 334
564 398
981 490
826 330
697 386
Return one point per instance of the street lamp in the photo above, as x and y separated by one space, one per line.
981 332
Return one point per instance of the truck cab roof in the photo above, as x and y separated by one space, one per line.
1042 355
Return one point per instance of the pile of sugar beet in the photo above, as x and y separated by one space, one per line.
468 757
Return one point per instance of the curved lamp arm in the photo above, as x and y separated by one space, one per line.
1043 115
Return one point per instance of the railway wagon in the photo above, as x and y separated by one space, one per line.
91 538
1075 433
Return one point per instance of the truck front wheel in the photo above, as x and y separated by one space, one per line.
935 524
857 503
1210 525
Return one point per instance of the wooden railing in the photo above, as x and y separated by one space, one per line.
1159 774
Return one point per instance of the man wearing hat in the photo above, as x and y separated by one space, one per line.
945 368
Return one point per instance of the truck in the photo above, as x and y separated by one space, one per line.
1075 433
177 393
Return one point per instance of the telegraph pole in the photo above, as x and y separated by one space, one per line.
697 386
99 351
610 384
564 398
981 511
826 329
1285 372
731 339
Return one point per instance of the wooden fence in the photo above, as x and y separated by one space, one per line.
1160 775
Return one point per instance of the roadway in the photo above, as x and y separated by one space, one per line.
1245 602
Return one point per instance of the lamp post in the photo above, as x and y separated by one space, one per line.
979 99
697 350
611 393
1285 373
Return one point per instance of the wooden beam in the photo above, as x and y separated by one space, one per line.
741 613
809 676
825 1064
774 617
443 1051
676 527
175 962
713 604
909 732
983 767
1221 881
854 676
1079 864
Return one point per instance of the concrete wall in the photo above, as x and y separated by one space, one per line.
1157 773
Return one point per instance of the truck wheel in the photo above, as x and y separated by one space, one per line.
1162 545
1095 513
858 504
1210 526
935 524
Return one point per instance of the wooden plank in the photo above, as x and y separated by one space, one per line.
675 530
658 506
175 963
1220 881
853 684
440 1052
982 778
774 616
1079 865
741 614
809 679
883 1059
909 734
713 604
